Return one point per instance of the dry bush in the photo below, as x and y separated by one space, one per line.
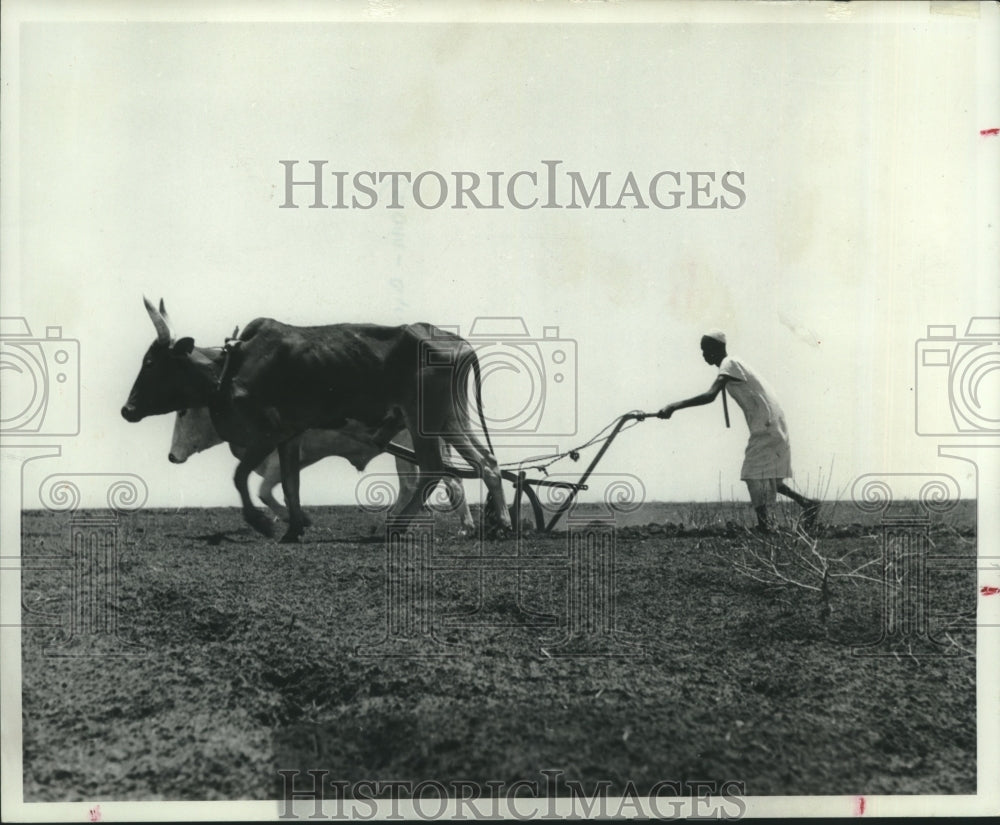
793 558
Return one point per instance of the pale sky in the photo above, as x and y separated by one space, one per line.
143 159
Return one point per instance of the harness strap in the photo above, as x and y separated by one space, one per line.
231 346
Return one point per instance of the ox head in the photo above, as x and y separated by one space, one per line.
193 432
170 377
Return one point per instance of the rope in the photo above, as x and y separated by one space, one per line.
543 462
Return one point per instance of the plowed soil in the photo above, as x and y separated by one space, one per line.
228 657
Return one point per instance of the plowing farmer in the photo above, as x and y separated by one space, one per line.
768 460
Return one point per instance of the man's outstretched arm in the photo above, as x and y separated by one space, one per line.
697 400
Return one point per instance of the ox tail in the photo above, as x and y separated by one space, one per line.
479 400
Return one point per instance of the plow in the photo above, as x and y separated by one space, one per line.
525 486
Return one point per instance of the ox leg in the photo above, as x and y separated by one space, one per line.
270 472
254 517
488 470
408 476
288 453
431 472
266 493
456 495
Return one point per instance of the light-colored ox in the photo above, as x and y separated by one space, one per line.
194 433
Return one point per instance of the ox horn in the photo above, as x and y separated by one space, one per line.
162 328
163 314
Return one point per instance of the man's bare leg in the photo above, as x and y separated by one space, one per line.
763 519
810 506
762 494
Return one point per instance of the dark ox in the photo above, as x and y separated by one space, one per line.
276 381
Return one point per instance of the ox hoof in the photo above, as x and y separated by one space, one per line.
261 523
292 535
497 532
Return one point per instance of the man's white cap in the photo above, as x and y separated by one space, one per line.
716 335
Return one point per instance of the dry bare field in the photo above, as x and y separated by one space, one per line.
243 656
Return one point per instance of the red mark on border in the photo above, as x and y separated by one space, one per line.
990 591
859 809
989 132
95 813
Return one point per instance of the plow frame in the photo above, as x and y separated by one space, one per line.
524 486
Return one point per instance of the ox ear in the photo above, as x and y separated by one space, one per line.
183 347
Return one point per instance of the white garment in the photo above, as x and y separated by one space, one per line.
768 453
